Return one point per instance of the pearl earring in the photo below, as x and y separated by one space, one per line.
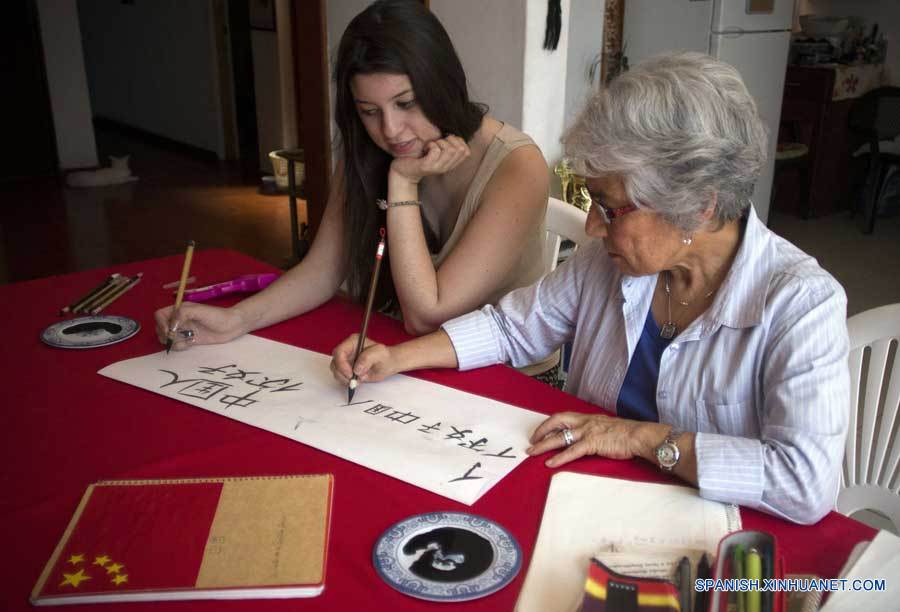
687 239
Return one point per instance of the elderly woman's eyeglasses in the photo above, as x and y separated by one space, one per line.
608 213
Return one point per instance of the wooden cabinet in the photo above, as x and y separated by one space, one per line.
810 116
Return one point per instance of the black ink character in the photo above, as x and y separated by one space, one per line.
294 387
402 417
94 328
468 475
195 387
355 403
457 434
218 370
449 554
502 454
377 409
241 401
475 445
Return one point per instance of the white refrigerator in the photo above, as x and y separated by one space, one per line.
754 36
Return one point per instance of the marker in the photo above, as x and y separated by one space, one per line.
753 569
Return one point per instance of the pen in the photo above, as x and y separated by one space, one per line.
767 596
753 569
700 598
181 283
379 253
683 580
737 568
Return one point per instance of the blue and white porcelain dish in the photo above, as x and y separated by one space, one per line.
90 332
447 556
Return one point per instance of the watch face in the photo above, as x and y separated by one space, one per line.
667 454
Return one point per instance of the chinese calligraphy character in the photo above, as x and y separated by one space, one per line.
467 475
474 445
377 409
402 417
457 434
241 401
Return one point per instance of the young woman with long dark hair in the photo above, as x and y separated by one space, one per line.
462 195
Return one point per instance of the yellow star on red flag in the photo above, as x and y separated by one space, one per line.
101 560
113 568
76 559
120 578
74 579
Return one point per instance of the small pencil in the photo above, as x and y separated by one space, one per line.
112 297
92 302
174 284
379 254
181 283
90 294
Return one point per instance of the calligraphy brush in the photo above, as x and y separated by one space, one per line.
90 302
379 253
112 297
90 294
181 283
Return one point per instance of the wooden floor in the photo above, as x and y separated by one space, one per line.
47 229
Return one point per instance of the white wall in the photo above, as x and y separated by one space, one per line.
489 38
149 66
544 93
69 99
886 13
585 43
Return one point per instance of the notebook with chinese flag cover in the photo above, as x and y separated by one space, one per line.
205 538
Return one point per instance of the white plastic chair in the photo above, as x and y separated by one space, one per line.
871 476
564 222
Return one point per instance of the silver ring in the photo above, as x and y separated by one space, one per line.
568 438
187 334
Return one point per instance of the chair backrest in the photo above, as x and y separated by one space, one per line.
564 222
871 476
876 115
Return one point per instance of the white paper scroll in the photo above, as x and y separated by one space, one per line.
449 442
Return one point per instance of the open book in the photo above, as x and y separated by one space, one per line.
204 538
587 514
878 560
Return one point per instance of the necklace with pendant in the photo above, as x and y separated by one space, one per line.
669 330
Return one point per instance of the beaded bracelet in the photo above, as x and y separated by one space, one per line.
384 204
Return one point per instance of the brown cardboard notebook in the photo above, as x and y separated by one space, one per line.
204 538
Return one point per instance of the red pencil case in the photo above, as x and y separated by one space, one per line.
724 586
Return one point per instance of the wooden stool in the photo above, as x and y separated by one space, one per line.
793 156
299 241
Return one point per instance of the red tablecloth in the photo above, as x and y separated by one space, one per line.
66 427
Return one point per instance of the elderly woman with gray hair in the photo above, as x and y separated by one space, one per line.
721 346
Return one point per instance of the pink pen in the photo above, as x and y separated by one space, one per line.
248 283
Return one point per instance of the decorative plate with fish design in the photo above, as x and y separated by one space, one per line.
447 556
90 332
